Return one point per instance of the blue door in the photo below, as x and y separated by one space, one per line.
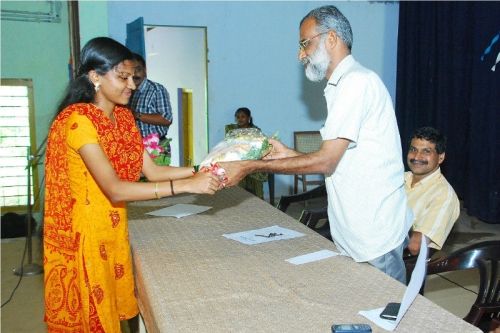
135 37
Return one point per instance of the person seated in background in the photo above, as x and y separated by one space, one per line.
253 183
243 117
434 203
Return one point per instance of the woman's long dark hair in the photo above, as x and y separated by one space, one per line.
100 54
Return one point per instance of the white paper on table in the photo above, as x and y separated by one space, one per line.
416 281
257 236
180 210
313 256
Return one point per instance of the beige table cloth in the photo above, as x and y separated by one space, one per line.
192 279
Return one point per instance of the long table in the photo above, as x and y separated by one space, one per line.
192 279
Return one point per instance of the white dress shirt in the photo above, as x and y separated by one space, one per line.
367 206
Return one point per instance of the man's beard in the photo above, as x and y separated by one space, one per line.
317 63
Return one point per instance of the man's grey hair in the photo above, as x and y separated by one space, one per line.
330 18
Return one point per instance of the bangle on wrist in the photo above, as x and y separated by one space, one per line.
196 168
172 188
156 191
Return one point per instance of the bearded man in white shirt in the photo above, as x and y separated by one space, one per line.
361 150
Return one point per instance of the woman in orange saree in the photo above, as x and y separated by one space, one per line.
94 158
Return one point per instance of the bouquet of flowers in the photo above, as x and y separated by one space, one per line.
158 150
239 144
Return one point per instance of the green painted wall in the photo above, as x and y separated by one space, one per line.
93 20
37 51
40 51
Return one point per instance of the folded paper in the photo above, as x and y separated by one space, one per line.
310 257
416 281
263 235
180 210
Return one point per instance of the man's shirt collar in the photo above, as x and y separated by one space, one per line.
430 178
143 85
340 70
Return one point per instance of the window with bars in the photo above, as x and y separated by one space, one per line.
17 137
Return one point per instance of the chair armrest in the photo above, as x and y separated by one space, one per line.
285 201
311 217
411 260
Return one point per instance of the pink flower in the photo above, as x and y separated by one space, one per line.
216 170
151 143
159 152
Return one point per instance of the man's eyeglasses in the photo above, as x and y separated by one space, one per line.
305 42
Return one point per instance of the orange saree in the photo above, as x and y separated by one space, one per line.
89 284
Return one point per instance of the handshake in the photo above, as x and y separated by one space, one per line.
239 153
238 145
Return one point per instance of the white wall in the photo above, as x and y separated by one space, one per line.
183 66
253 57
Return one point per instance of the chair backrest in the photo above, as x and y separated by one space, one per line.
286 200
485 257
310 217
307 141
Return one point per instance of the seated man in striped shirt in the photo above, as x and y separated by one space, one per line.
434 203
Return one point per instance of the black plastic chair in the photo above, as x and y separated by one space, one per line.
286 200
483 256
310 217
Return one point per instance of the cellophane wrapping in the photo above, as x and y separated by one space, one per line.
238 145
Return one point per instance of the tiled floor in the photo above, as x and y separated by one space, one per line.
24 313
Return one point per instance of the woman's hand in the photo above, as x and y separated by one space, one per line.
204 183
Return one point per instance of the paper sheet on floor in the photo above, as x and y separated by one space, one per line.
417 278
313 256
263 235
180 210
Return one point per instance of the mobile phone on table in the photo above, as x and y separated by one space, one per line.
351 328
391 311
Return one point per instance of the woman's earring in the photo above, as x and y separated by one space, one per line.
97 86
